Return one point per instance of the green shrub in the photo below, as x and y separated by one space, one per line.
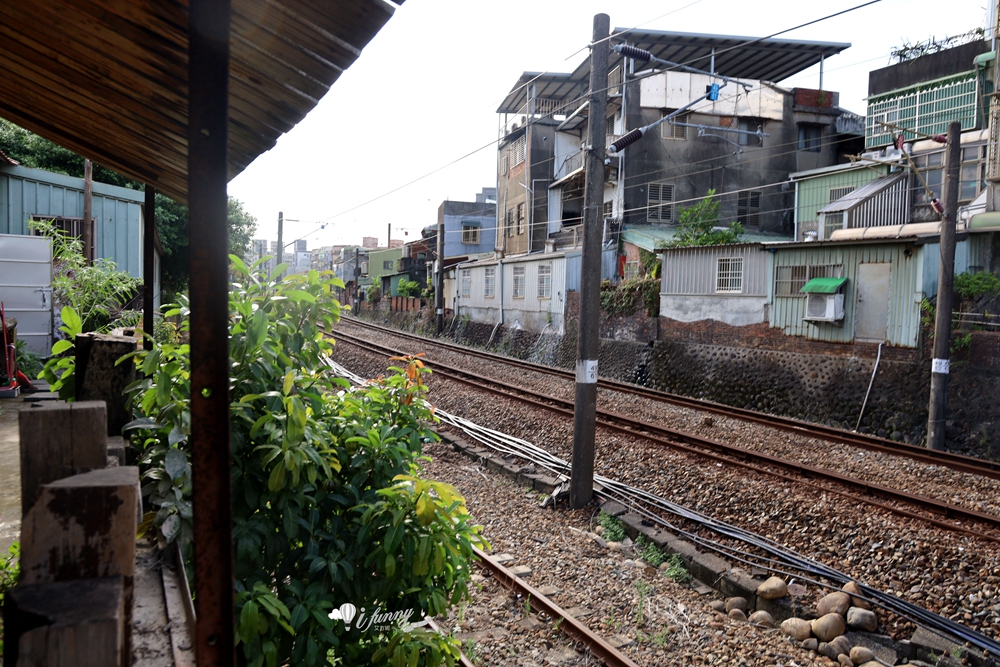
60 369
28 362
621 300
328 505
649 552
676 569
614 529
972 286
10 570
408 288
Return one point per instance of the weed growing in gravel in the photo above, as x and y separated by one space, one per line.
676 570
649 552
614 529
556 624
643 589
527 605
471 650
660 638
611 622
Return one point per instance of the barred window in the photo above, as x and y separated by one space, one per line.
609 209
520 218
466 283
510 223
837 193
729 275
631 270
660 202
387 264
668 130
831 223
490 283
518 282
544 281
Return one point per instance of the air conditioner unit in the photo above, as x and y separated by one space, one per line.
893 153
872 155
824 308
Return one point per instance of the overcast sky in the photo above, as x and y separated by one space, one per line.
425 91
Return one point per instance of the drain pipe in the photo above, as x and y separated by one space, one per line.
870 383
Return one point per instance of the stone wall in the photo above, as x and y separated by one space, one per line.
759 368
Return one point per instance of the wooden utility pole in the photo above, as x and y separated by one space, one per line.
938 407
88 208
581 489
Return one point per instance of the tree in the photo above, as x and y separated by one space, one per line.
34 151
701 225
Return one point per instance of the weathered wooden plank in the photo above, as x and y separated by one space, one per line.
100 378
58 440
66 624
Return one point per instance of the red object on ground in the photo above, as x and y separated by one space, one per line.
23 382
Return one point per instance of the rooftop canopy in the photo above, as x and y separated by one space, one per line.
109 80
735 56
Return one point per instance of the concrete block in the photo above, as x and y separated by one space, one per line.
633 524
708 568
99 379
740 584
81 623
781 609
613 508
117 449
58 440
686 551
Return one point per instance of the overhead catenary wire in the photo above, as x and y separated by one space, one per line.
780 560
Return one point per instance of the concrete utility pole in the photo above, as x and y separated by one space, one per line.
88 207
581 489
938 407
281 231
439 278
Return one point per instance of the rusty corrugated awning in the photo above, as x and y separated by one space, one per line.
109 80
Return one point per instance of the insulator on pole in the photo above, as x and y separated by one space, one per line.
627 140
632 52
937 205
940 138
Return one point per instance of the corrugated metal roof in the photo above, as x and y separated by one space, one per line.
735 56
858 196
109 80
654 238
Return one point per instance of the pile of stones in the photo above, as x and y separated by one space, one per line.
836 613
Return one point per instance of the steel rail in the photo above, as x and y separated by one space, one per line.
600 648
958 462
719 452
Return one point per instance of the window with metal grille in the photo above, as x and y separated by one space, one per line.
466 283
73 227
837 193
520 218
810 137
615 81
631 269
831 223
748 208
609 209
669 130
930 168
503 164
609 126
387 265
518 282
517 151
490 283
544 281
729 275
510 223
972 177
789 280
470 234
751 125
660 207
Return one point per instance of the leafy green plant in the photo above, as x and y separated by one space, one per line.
97 292
701 225
676 569
620 300
408 288
374 295
614 529
28 362
60 369
10 570
649 552
642 590
471 650
328 504
972 286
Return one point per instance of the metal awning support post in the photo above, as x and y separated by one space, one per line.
148 261
208 118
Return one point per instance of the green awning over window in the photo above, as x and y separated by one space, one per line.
471 223
823 285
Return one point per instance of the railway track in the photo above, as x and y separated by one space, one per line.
958 462
938 513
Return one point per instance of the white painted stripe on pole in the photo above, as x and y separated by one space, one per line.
440 311
586 371
941 366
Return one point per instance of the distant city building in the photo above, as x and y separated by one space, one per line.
396 243
369 242
301 245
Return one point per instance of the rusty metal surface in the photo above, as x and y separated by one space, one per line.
967 464
600 648
756 462
209 243
148 260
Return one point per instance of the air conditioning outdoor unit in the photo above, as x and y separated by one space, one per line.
824 307
872 155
